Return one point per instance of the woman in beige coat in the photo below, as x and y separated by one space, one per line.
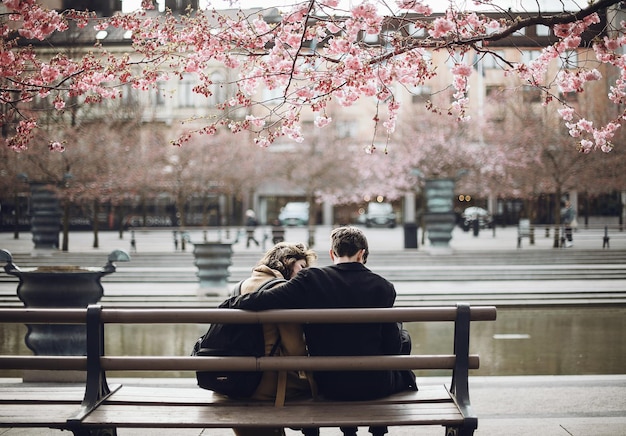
283 260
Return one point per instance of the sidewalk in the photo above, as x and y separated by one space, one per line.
511 406
380 239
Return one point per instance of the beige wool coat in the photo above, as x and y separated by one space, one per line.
291 344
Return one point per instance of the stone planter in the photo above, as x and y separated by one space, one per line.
45 222
62 287
213 260
439 217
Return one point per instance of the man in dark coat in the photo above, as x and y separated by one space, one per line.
348 283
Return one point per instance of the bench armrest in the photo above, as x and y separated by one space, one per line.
459 387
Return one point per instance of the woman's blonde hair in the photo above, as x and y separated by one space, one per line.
282 256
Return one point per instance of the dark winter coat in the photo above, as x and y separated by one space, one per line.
345 285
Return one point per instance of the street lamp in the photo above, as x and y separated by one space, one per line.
67 177
22 178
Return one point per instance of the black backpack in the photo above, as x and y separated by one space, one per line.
233 340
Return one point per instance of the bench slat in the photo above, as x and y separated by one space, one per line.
25 415
197 396
187 363
322 415
42 393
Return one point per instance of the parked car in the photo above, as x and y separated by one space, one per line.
380 214
476 213
294 214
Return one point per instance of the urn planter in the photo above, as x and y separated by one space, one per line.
213 260
62 287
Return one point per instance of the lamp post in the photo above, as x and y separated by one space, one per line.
17 211
67 177
410 222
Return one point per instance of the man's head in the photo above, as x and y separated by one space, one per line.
348 242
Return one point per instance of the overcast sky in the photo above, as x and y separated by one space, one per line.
437 5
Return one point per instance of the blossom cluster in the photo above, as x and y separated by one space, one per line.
285 56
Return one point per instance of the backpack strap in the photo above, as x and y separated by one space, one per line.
236 290
267 285
281 385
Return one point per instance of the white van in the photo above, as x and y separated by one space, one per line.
380 214
294 214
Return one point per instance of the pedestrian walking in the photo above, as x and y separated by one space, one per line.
278 232
568 217
133 242
251 224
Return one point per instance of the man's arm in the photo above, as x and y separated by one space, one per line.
291 295
391 332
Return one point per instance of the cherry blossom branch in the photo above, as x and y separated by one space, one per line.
311 55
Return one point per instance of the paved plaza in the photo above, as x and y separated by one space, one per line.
149 240
586 405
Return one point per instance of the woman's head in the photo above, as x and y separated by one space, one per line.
288 258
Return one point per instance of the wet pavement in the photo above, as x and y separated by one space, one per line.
547 405
512 406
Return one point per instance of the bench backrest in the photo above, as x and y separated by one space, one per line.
96 317
96 363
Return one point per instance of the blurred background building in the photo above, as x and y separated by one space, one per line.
514 158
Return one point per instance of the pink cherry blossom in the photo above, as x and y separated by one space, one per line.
315 60
322 121
442 26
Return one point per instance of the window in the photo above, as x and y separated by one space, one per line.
531 94
186 97
387 38
273 96
370 38
530 55
128 95
420 94
347 128
542 30
495 92
491 61
569 59
218 89
415 32
159 94
569 97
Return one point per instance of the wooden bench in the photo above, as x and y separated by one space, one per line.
100 407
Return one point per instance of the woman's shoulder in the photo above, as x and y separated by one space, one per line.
260 275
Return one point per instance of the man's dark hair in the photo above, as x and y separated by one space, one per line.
347 241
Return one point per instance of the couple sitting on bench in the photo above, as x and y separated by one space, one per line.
347 283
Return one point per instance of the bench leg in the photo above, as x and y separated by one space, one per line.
95 432
459 431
